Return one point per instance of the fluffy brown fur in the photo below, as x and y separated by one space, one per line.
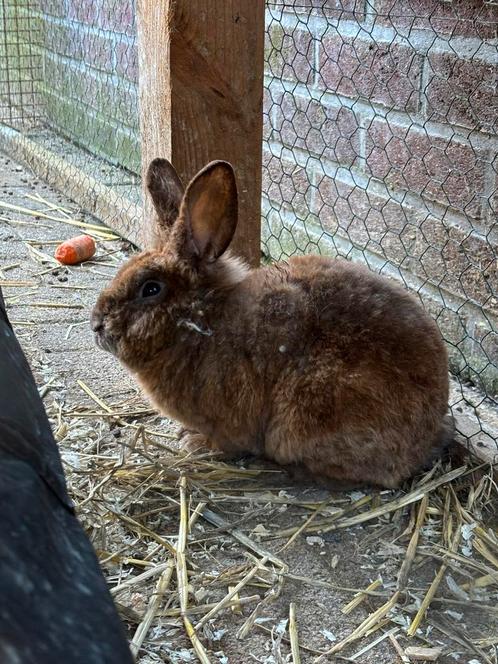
317 361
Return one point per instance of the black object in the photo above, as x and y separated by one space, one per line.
55 607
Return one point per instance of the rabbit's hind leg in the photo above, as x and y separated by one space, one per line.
347 458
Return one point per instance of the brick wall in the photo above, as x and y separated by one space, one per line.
89 80
381 136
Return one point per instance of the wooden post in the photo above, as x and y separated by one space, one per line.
201 90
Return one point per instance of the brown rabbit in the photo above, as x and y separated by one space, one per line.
317 361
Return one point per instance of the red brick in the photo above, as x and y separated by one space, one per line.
114 100
77 42
325 200
63 39
270 98
97 50
118 16
53 7
450 257
442 170
327 131
127 60
459 261
388 74
463 263
468 18
344 10
66 78
471 269
462 92
286 183
369 221
105 14
289 54
272 102
86 11
118 102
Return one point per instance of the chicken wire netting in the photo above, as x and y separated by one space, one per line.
68 98
19 67
380 146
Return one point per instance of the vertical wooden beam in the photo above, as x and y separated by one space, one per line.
201 90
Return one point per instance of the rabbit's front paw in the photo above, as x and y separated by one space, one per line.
193 441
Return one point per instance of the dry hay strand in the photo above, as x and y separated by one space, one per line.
155 513
161 519
98 231
294 639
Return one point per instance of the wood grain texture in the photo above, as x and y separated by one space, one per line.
201 89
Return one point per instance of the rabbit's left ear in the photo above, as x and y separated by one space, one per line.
166 190
209 210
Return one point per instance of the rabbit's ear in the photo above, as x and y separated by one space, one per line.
209 210
166 190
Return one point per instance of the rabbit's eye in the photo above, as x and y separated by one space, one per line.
151 288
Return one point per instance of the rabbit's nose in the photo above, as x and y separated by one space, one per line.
96 322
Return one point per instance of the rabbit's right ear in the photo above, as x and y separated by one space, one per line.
166 190
209 210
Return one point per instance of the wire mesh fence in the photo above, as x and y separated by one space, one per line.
19 65
68 83
381 122
380 144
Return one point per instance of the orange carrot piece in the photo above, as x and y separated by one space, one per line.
75 250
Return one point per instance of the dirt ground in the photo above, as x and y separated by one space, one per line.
123 471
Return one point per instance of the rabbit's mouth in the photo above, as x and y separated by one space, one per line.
106 343
103 339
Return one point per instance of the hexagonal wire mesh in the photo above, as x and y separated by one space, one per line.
68 97
380 145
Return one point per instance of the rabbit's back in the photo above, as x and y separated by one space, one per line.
365 396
